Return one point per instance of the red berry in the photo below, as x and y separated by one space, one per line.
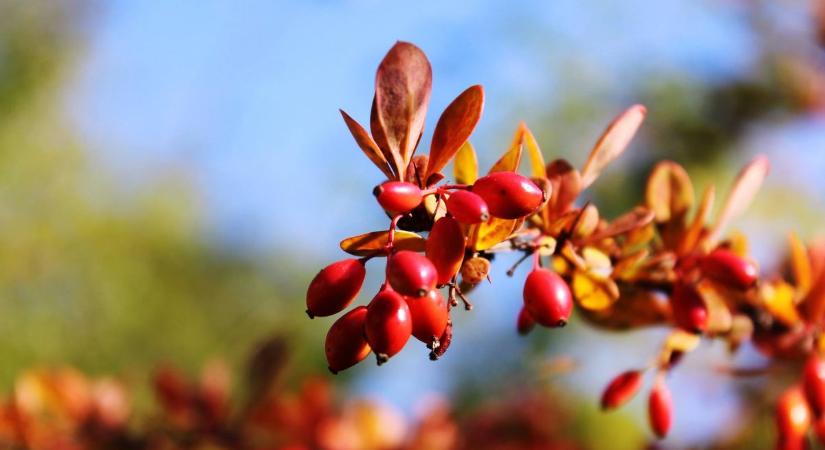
467 207
525 322
411 273
429 316
547 298
793 416
388 325
345 345
445 248
621 389
335 287
813 383
509 195
819 429
398 196
689 310
660 409
728 268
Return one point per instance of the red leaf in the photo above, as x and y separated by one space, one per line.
368 146
454 127
402 92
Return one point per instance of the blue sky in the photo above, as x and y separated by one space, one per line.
245 96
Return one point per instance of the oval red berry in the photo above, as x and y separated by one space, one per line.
689 310
445 248
509 195
547 298
335 287
660 409
728 268
467 207
346 345
411 273
398 196
621 389
388 324
525 322
429 316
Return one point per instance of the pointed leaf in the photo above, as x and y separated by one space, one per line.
636 218
800 264
566 182
494 231
744 190
375 241
454 127
537 168
511 159
779 299
402 92
690 238
380 139
368 146
465 165
612 143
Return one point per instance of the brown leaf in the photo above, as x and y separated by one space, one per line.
744 190
669 192
636 218
454 127
511 159
612 143
368 146
375 241
465 165
402 92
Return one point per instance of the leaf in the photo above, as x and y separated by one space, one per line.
510 160
678 341
612 143
744 190
779 299
495 230
380 139
800 264
375 241
465 165
368 146
669 192
636 218
694 231
454 127
537 168
402 92
594 294
566 182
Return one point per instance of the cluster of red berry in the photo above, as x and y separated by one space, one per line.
654 265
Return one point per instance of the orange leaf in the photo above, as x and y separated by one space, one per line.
632 220
465 165
375 241
744 190
612 143
368 146
800 265
454 127
566 183
494 231
402 92
534 152
694 231
510 160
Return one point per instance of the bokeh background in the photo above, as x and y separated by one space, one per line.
172 174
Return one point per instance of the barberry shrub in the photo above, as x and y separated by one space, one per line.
663 263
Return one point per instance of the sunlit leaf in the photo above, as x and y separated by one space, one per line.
402 92
566 183
511 159
537 168
367 145
493 231
587 221
720 319
800 264
393 158
598 263
375 241
669 192
592 293
747 184
454 127
779 299
612 143
678 341
465 165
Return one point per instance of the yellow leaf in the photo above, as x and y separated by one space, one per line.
598 263
682 341
534 152
800 264
593 294
669 192
494 231
465 165
509 162
369 243
779 299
